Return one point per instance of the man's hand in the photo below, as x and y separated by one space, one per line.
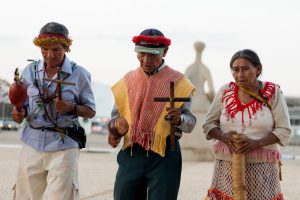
18 116
63 107
113 140
173 115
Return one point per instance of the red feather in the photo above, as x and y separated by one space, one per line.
152 40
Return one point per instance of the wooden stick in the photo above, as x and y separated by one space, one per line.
172 128
238 172
59 84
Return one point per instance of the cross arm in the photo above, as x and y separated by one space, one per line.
167 99
60 81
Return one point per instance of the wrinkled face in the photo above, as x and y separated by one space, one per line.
53 54
150 62
244 72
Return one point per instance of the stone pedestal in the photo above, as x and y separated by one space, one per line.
195 146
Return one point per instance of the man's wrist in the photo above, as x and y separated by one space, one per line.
75 109
26 111
223 138
181 120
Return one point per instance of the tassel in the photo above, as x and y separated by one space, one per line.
280 173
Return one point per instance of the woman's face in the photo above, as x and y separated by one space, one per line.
244 73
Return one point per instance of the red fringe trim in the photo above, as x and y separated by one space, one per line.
143 138
218 195
262 154
235 106
278 197
152 40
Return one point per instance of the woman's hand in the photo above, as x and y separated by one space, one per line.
248 145
229 140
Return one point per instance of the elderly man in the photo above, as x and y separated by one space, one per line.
52 135
148 169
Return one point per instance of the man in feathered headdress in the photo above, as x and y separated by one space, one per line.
148 169
52 135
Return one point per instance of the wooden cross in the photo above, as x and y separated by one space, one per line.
172 99
59 82
59 92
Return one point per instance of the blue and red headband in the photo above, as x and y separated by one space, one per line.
151 41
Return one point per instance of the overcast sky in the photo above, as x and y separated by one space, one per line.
102 33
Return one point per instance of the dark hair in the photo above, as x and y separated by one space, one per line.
249 55
54 27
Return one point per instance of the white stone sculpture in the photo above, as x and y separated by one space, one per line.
195 146
200 75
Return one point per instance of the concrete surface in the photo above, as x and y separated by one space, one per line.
97 169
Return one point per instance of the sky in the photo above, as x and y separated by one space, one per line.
102 32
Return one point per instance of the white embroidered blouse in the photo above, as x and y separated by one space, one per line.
253 119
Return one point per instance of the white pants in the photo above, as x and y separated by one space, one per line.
47 175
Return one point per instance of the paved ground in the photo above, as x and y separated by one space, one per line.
97 168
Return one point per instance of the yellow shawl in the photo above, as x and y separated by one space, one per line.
134 97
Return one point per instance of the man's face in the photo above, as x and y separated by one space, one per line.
150 62
53 54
